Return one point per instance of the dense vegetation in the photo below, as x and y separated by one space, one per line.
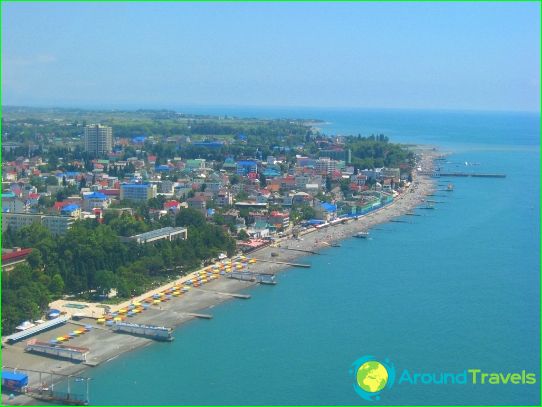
90 260
377 151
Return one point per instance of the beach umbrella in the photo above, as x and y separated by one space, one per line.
109 323
117 319
101 320
53 341
156 302
137 303
88 327
60 339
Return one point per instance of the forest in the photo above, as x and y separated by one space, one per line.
90 261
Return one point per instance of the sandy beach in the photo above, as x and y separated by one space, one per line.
105 345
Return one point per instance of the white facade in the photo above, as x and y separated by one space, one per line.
98 139
57 225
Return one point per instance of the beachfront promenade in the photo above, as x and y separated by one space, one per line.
105 344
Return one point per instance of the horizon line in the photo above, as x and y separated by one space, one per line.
128 107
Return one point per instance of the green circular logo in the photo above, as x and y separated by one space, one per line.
372 376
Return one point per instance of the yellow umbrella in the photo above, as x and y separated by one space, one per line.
122 311
156 302
100 321
60 338
137 303
117 319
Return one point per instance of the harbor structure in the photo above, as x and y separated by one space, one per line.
72 353
159 333
36 329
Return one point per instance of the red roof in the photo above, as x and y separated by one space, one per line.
33 196
15 255
171 204
59 205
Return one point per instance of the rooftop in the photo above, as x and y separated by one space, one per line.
158 232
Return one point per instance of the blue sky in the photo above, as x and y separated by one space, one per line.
417 55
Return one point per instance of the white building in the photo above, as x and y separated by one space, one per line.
168 233
57 225
137 192
98 139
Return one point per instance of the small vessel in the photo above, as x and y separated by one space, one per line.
362 235
428 205
450 188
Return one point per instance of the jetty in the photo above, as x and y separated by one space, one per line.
45 388
299 250
233 295
160 333
285 263
262 278
467 174
201 316
399 221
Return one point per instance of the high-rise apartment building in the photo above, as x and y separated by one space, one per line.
98 139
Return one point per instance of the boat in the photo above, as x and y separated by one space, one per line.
450 188
362 235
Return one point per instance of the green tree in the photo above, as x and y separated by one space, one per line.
190 217
56 286
243 235
105 281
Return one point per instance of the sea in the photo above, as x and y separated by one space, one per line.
453 289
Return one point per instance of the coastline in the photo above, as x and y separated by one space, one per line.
105 345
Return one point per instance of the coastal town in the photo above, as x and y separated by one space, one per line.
269 204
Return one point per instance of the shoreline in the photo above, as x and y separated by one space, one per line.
106 345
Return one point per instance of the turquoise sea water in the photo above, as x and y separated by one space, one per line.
457 288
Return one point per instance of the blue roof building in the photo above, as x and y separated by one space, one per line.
209 144
70 210
139 139
327 207
95 195
246 167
